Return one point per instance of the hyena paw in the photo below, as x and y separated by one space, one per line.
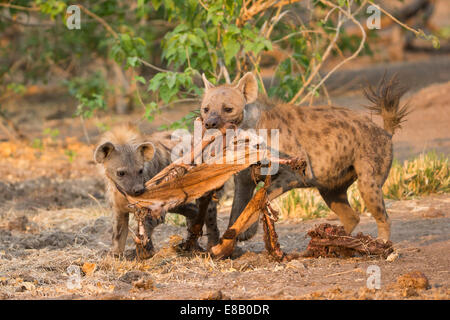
190 246
142 253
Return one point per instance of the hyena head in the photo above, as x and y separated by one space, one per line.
125 164
225 103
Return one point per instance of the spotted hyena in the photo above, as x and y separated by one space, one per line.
342 146
127 160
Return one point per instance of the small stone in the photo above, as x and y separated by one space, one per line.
24 286
409 292
297 265
414 280
19 224
132 276
392 257
144 284
214 295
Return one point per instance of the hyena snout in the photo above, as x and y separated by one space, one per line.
213 122
137 190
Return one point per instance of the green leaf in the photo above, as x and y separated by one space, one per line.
230 47
140 79
132 61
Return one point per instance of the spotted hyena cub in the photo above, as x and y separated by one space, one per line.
128 160
342 145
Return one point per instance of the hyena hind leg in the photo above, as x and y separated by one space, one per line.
372 195
337 201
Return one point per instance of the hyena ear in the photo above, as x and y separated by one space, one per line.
147 149
249 87
208 85
103 151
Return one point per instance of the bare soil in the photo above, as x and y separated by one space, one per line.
36 252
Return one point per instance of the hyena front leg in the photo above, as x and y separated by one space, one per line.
195 224
211 225
150 224
243 192
120 231
191 212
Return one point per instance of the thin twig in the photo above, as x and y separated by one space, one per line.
83 125
99 19
324 57
13 6
148 64
344 272
203 5
297 33
354 55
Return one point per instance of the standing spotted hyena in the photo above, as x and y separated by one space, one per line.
128 160
342 146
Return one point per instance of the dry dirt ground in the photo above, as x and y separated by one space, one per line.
35 255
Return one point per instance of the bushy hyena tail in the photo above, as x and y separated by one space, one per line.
386 103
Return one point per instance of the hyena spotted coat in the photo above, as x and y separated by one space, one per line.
343 146
127 160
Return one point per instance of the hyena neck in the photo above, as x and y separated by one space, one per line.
161 159
253 112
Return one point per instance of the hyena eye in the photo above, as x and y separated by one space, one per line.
205 110
141 171
228 109
120 173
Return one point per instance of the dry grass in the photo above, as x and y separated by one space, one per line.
421 176
424 175
175 219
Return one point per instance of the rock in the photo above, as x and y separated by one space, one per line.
25 286
214 295
409 292
144 284
297 265
138 279
122 287
392 257
132 276
414 280
18 224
